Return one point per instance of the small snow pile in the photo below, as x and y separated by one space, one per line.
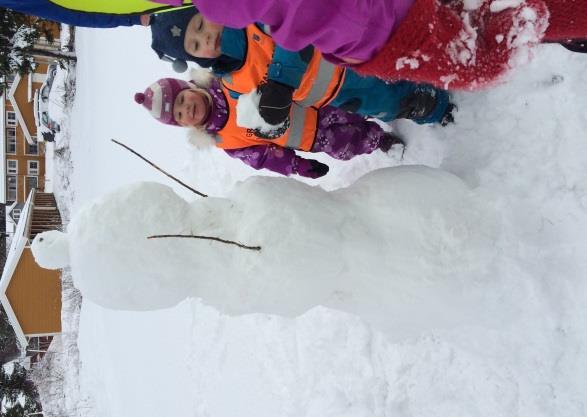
247 114
463 49
497 6
412 63
359 249
469 5
57 96
51 249
527 31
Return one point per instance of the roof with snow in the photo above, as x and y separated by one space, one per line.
19 242
19 116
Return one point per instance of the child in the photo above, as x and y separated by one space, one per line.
209 106
448 43
249 58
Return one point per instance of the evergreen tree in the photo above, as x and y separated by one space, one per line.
15 39
18 394
18 35
9 348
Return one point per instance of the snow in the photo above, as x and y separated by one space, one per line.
51 250
501 5
433 214
56 96
500 331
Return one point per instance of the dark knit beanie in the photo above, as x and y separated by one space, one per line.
168 33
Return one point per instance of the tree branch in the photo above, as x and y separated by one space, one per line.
159 169
217 239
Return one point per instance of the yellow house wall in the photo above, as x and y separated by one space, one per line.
35 296
22 156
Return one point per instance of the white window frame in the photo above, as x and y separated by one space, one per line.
15 188
26 148
9 170
9 80
33 171
16 214
10 139
36 177
11 122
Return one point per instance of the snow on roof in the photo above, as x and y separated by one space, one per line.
3 149
19 241
19 116
9 219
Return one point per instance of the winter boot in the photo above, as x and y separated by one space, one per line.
576 46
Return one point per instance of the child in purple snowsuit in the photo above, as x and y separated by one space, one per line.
207 106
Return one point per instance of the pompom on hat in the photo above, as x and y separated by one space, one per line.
159 98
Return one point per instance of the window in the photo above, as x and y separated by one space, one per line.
10 118
33 344
32 149
32 182
12 187
16 214
10 140
12 166
33 168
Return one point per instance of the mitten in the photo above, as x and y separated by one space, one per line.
275 102
448 117
311 168
388 140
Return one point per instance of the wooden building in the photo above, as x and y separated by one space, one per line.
22 162
31 295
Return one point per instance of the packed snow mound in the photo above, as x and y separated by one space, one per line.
359 249
109 238
51 249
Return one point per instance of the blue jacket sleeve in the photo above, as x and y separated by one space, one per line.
48 10
288 67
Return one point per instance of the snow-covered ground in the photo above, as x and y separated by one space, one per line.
520 147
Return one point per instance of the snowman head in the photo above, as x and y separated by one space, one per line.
51 249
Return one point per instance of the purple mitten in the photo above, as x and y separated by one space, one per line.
311 168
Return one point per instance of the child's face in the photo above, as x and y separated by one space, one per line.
202 37
191 108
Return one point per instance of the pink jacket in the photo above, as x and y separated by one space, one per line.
338 28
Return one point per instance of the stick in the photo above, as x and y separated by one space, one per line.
217 239
159 169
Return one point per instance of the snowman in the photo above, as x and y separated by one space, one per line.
395 240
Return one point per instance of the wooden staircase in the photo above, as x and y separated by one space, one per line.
45 214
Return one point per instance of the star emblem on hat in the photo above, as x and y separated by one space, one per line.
175 31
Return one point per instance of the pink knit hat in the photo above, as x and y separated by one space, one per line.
159 97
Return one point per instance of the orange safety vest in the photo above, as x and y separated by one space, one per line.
300 134
319 85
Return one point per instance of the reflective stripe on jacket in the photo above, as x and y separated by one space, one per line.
319 85
117 7
300 134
